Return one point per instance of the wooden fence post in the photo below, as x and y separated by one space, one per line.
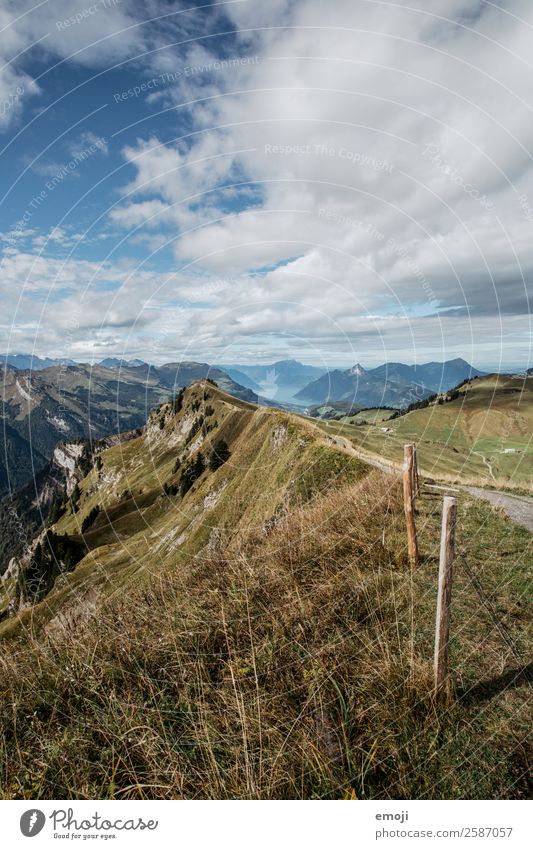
408 502
444 595
416 483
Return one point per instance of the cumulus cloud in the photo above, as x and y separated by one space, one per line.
95 35
386 149
357 176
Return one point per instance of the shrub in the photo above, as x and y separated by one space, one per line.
170 488
74 498
196 425
57 553
57 509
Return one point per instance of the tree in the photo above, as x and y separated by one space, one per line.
199 465
74 498
191 474
57 509
90 518
219 455
177 403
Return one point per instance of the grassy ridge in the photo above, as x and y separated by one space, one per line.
275 461
280 649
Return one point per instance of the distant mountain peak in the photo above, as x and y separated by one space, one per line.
390 384
114 362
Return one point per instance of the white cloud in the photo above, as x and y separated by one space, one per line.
149 213
389 151
93 34
366 180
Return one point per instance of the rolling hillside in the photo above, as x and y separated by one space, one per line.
480 433
136 485
247 626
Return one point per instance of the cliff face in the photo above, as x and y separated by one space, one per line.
25 516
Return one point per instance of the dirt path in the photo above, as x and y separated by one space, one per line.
519 508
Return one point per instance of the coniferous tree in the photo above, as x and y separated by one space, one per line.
219 455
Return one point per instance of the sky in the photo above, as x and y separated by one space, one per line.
247 181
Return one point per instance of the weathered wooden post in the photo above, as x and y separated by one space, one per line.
444 595
416 483
408 502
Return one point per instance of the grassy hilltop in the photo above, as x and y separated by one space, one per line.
482 436
249 627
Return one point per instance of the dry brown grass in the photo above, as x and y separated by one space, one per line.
289 664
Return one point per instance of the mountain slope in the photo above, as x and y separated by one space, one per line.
478 433
362 388
260 635
64 403
115 362
280 380
17 459
443 376
242 378
135 495
25 513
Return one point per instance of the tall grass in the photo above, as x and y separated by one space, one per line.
278 665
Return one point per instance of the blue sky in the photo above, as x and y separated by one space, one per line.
247 181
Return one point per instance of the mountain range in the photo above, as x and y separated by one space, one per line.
391 384
47 404
41 408
32 361
294 383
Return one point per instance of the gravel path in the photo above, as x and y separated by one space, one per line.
519 508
